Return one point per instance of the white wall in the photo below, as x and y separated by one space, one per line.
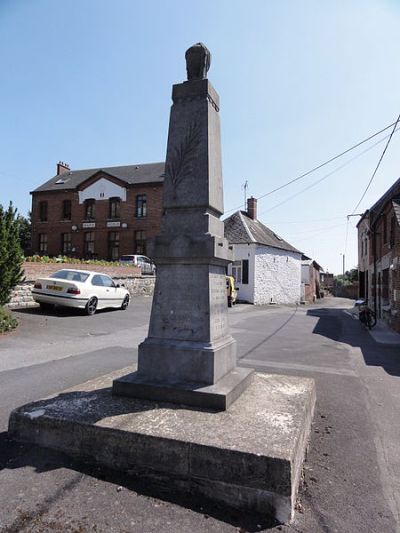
305 273
102 189
277 276
245 251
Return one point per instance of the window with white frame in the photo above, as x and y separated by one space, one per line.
42 243
237 271
240 271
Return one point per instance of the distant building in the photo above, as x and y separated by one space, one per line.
267 269
379 256
310 279
97 213
327 280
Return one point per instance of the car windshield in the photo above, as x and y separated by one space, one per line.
70 275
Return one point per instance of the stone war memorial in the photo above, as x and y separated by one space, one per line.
189 356
188 414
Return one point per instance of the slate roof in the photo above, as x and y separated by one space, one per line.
130 174
305 260
241 229
392 193
396 208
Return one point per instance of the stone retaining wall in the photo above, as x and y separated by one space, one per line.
33 271
131 277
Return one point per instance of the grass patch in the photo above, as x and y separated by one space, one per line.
7 321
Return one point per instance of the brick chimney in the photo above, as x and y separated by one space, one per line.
62 167
252 208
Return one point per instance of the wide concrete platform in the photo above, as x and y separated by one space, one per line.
249 456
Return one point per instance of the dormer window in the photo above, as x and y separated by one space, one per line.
114 208
61 181
90 209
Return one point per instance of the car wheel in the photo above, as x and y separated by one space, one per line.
125 303
91 306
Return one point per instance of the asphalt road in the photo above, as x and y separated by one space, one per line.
352 472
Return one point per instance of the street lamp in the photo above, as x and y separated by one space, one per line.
343 263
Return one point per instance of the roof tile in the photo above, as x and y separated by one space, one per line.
130 174
241 229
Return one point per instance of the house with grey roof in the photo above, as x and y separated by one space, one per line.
100 213
267 269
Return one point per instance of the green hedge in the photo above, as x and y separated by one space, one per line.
65 259
7 321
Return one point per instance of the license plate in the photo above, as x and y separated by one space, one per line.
54 288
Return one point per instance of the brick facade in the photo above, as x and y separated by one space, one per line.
379 257
311 278
108 234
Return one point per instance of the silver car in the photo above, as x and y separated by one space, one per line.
143 262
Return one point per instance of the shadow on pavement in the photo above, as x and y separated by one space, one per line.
88 407
14 455
59 311
334 324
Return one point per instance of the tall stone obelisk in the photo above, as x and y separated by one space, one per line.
189 355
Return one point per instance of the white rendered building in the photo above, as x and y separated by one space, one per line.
266 269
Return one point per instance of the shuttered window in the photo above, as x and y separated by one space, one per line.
245 271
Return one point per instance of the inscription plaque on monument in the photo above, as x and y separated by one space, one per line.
189 355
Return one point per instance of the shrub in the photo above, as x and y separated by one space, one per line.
74 261
11 256
7 321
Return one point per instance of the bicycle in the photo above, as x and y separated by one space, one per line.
366 315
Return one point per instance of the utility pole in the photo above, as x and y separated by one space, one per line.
245 187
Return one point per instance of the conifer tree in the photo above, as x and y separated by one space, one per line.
11 256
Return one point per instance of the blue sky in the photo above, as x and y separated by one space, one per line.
89 82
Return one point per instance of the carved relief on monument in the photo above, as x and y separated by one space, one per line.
183 154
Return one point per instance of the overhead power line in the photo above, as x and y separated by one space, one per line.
314 169
324 230
325 176
338 217
378 165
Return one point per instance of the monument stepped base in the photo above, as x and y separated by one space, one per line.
217 397
249 456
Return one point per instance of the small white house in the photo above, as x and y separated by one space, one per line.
267 269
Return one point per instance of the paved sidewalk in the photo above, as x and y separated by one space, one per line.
384 335
381 333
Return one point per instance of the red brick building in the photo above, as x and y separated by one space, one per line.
310 279
99 213
379 256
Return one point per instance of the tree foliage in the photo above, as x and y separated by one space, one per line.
349 277
11 257
25 227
